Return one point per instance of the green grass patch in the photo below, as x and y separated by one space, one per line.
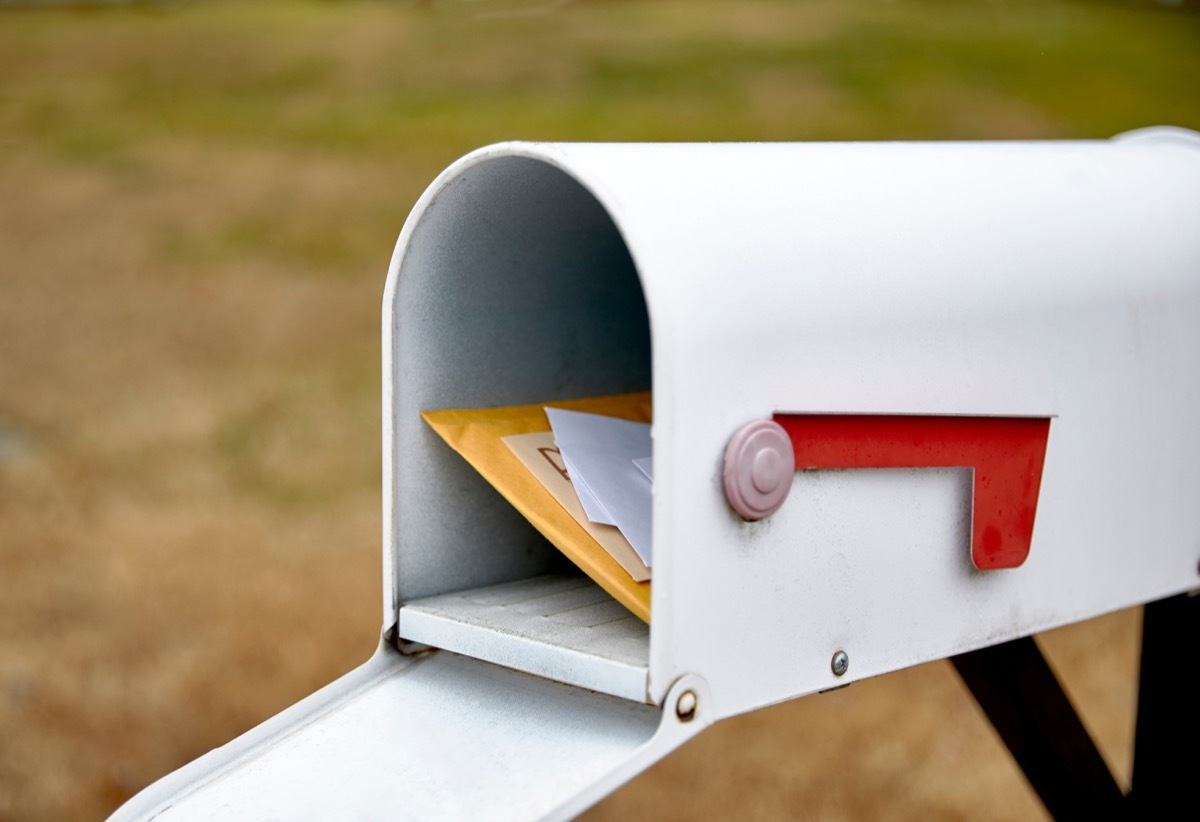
365 77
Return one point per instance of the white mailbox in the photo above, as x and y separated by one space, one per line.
971 374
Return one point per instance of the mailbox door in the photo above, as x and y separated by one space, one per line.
433 736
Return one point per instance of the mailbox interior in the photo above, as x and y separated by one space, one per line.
510 285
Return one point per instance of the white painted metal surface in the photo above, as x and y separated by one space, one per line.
561 627
1007 279
1002 279
434 737
1047 279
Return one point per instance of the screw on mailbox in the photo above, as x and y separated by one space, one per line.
840 663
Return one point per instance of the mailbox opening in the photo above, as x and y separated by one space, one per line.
511 284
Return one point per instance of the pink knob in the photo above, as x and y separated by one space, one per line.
759 465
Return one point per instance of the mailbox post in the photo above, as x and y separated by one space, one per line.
911 401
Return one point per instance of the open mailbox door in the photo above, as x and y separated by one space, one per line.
909 400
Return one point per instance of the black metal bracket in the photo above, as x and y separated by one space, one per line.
1166 762
1025 703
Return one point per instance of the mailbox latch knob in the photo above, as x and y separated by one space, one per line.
759 466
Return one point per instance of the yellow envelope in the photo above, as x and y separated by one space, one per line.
478 435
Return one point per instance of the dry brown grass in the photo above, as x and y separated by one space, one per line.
190 502
196 212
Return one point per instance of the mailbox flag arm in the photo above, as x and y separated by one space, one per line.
1006 453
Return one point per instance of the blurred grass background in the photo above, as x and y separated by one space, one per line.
197 206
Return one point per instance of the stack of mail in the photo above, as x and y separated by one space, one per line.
608 462
586 484
546 459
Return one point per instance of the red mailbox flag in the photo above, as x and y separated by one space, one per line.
1006 454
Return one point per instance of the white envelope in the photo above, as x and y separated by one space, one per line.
601 451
